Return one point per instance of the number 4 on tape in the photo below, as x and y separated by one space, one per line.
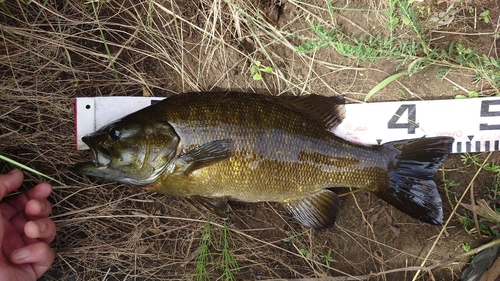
411 109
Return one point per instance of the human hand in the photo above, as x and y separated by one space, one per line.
25 230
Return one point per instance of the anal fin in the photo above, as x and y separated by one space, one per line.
318 210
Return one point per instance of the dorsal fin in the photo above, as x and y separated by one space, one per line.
329 111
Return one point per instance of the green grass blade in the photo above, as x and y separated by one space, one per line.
382 84
15 163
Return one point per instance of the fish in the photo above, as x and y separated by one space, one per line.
217 147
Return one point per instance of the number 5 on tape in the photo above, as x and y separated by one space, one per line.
486 112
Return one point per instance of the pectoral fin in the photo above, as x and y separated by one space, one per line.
318 210
207 154
215 205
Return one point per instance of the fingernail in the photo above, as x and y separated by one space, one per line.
42 205
41 226
20 254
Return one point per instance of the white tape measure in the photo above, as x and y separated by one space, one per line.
474 123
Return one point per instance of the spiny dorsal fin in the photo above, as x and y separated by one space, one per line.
318 210
329 111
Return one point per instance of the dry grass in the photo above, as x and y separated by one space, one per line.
53 51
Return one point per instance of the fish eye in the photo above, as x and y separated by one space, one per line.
115 134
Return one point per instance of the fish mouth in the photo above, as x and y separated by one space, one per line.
102 157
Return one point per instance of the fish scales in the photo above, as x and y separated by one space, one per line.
281 150
214 147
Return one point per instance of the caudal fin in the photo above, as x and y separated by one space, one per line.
411 186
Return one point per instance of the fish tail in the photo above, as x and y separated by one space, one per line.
411 170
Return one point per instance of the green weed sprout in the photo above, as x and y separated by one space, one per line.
227 262
15 163
204 256
258 68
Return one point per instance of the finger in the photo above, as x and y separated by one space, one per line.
40 191
16 205
43 229
38 208
39 255
10 182
34 210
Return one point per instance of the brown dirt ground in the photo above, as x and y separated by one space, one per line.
54 52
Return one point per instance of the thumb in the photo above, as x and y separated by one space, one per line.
39 255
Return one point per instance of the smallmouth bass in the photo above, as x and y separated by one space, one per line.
218 147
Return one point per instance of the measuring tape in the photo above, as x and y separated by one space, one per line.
474 123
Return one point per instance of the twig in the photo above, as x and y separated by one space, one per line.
494 44
456 85
473 202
